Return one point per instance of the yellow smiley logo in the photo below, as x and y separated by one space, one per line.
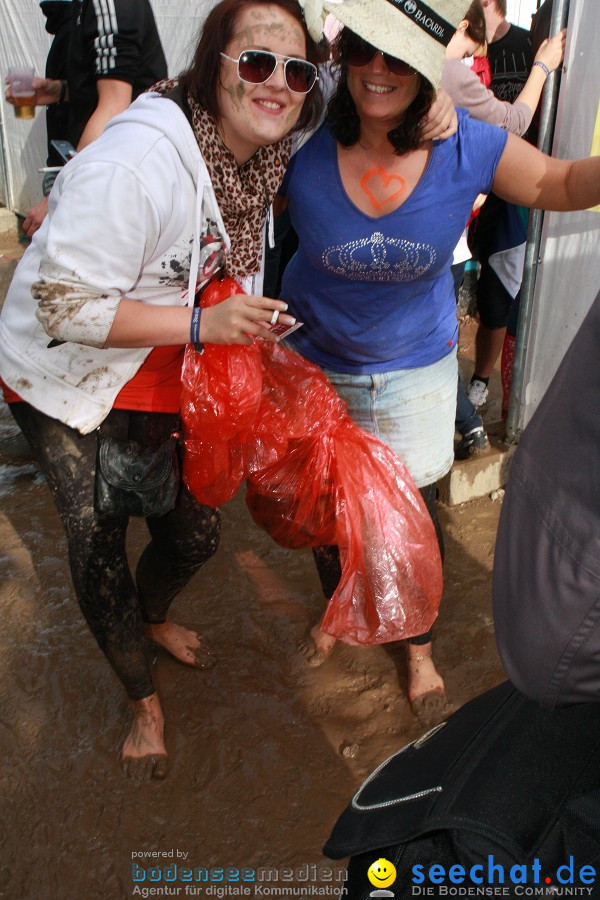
381 873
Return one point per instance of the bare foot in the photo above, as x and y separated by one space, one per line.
181 643
317 646
426 692
144 755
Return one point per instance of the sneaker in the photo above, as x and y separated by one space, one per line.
477 392
474 443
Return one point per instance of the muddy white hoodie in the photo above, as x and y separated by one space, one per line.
126 218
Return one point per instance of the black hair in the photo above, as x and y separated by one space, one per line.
343 120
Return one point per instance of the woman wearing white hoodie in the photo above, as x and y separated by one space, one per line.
95 323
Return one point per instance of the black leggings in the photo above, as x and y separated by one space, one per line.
330 568
114 605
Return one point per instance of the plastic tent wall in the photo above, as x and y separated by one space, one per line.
568 276
24 40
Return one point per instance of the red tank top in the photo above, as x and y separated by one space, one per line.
155 387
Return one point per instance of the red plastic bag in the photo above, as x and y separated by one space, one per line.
391 583
221 387
347 488
241 404
297 508
220 401
314 478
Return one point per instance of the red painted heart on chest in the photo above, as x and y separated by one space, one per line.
382 187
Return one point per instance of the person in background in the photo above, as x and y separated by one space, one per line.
58 23
467 91
499 227
541 22
114 54
480 64
508 50
58 15
540 29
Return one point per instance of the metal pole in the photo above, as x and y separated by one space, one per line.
560 14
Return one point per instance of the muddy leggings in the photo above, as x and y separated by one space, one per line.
330 569
115 605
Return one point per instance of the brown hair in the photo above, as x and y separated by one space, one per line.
201 79
475 17
501 7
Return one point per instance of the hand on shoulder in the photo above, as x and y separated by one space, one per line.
441 122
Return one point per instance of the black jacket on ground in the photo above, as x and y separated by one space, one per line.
504 782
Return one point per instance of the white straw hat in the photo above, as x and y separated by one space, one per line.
410 30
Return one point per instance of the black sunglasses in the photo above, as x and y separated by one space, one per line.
257 66
360 53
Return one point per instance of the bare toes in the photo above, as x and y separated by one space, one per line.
430 707
184 645
145 768
161 767
203 656
134 767
195 639
314 656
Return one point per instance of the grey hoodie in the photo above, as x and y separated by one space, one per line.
547 563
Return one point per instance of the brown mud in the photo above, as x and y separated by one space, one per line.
264 750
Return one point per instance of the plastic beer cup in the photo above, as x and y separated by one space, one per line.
23 93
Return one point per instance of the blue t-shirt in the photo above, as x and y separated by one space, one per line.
376 294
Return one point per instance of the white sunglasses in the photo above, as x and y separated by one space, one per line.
257 66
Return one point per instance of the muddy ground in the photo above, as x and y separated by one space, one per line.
264 751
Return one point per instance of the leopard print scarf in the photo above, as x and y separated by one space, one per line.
244 193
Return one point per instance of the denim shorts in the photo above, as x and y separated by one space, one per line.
410 410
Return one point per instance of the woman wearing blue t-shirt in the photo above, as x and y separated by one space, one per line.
378 215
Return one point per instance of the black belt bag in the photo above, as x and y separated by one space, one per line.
137 470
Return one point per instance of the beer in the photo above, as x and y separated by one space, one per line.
22 92
24 105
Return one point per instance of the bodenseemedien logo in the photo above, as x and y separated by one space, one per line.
381 874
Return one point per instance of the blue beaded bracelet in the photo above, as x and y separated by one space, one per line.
542 66
195 329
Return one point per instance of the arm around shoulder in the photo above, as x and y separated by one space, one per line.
467 91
